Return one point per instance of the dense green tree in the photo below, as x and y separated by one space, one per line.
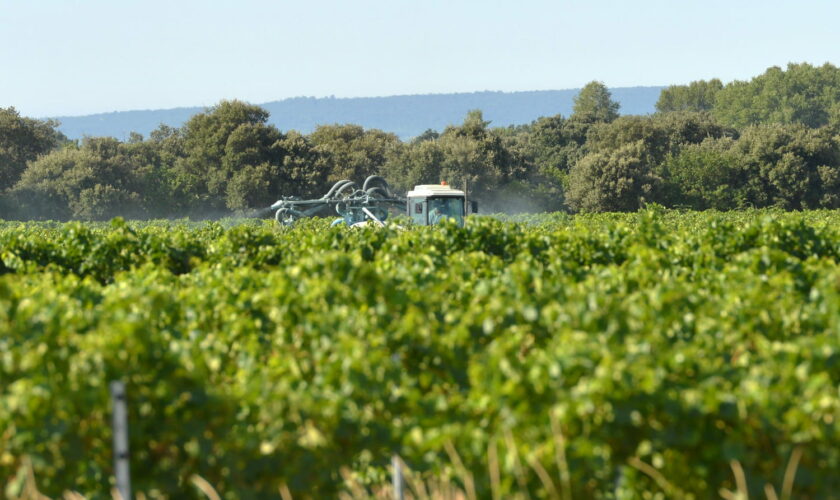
691 128
301 175
149 164
771 165
100 179
251 186
534 183
616 181
660 135
414 163
834 118
542 154
217 144
830 182
300 172
46 186
470 155
696 96
252 156
468 163
350 151
23 140
787 165
626 130
657 141
475 158
801 94
594 104
556 144
705 175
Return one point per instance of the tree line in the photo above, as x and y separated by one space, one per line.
773 141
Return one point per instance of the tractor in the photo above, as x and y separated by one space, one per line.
374 202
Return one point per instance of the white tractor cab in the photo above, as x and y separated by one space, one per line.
429 204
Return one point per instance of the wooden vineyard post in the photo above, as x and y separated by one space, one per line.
398 478
120 427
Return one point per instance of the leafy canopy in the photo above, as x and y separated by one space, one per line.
594 104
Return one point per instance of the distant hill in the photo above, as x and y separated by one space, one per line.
407 116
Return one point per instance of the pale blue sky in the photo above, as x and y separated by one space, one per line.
87 56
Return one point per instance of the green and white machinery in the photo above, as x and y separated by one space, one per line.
374 202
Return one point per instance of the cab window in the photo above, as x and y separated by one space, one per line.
446 207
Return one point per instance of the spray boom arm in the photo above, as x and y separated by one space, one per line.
371 202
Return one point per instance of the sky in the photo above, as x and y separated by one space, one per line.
77 57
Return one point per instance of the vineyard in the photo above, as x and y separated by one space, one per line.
648 351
